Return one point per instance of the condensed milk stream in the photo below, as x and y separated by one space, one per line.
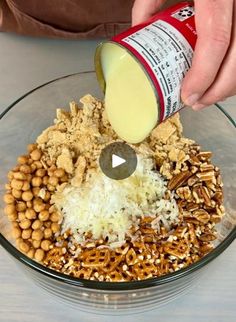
141 70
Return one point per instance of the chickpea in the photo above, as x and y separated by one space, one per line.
22 159
30 162
36 181
40 172
49 163
47 233
19 176
10 209
43 215
25 223
47 206
37 234
31 253
31 147
26 169
47 224
15 224
16 168
55 227
29 177
16 193
10 175
27 195
59 173
16 232
20 206
64 178
33 167
8 198
38 164
8 186
29 204
36 154
37 224
30 214
45 180
37 200
26 233
53 181
51 187
24 247
35 191
55 217
36 243
45 245
39 255
52 209
12 217
17 184
21 216
52 168
18 241
38 207
26 186
50 173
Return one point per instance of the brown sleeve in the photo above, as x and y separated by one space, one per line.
75 19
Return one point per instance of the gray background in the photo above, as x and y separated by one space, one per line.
24 64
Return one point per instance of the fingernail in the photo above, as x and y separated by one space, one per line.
198 107
192 99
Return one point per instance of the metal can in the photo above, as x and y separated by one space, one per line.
164 47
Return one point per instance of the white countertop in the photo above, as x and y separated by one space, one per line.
24 64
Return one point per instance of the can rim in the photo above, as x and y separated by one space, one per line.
98 66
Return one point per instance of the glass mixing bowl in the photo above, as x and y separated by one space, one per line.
23 121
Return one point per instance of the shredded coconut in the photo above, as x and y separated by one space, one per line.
109 208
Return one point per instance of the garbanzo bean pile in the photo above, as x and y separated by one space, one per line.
29 191
65 157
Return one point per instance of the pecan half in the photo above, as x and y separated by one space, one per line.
215 218
194 169
193 159
184 193
207 237
206 195
206 176
205 249
206 167
192 206
179 179
204 155
192 181
201 215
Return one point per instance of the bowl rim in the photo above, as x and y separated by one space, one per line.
111 286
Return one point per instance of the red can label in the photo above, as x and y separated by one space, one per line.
164 46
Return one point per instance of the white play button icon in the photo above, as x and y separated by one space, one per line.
116 161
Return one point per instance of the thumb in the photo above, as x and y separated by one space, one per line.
144 9
214 24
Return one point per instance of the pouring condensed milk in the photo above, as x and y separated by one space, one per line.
141 70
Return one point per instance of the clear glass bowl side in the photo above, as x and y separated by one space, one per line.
21 125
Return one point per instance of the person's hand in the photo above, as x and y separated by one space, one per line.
212 76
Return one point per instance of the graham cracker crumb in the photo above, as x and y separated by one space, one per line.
80 167
75 141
